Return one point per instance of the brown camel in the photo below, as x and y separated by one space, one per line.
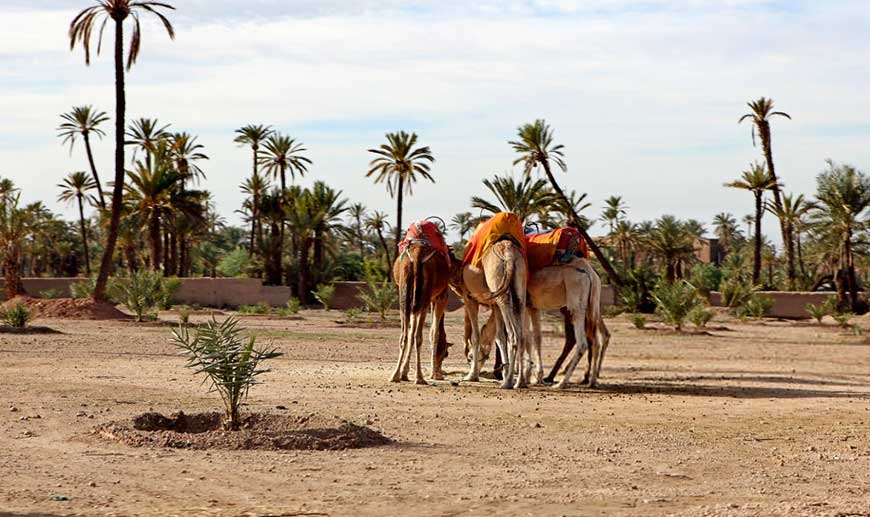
422 273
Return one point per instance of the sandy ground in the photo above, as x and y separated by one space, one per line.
762 419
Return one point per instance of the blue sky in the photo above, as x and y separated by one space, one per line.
645 95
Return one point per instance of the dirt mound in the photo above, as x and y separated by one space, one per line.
259 431
70 308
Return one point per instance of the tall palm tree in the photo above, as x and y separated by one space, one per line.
536 148
255 187
80 31
790 214
626 237
755 180
614 211
761 111
843 194
149 194
84 121
525 198
144 134
253 135
399 164
463 223
282 154
357 213
327 208
726 230
273 213
377 222
14 229
186 152
75 187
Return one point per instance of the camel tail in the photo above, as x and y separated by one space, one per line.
507 279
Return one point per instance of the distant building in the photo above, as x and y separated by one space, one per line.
707 251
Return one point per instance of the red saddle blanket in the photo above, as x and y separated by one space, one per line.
428 232
491 231
545 249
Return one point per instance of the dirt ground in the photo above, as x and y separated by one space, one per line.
762 419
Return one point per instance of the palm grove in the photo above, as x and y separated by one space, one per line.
152 212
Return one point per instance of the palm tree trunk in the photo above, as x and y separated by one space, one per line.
255 202
118 192
767 146
800 254
756 258
84 236
155 239
94 171
401 184
11 273
574 222
303 269
851 280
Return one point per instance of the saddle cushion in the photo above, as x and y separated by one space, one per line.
503 225
428 232
554 247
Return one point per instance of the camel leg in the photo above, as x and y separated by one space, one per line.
436 335
566 349
579 349
605 340
403 350
535 317
512 347
471 311
594 351
419 324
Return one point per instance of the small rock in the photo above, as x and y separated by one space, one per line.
13 409
281 407
92 484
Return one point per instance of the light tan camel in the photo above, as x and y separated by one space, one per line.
575 287
561 287
500 283
422 275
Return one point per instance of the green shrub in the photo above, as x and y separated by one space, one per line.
184 315
168 287
324 294
230 361
706 277
736 293
352 315
675 301
700 316
141 291
291 308
374 270
638 320
379 297
259 308
16 316
842 319
826 308
51 293
234 263
83 289
757 306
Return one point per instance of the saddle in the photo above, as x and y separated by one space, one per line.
559 246
501 226
428 234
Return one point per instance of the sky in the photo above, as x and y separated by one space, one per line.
645 95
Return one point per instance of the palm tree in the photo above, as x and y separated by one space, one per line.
377 222
14 229
255 187
75 187
790 214
185 152
761 111
80 31
327 208
84 120
625 235
843 194
357 213
463 223
536 148
726 230
283 154
614 211
755 180
672 242
273 213
253 135
144 134
149 192
399 164
525 198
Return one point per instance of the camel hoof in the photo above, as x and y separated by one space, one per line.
549 380
395 378
506 385
471 378
421 382
560 386
438 376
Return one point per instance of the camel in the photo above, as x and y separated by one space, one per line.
575 289
500 283
422 273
